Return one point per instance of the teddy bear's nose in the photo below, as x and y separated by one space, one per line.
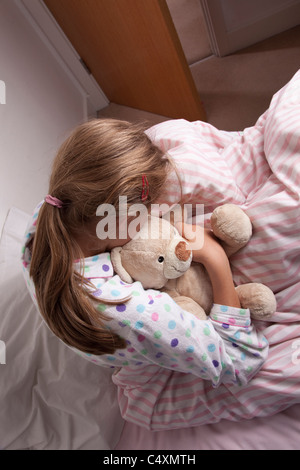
181 251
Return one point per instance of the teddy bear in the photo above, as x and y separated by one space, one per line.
160 258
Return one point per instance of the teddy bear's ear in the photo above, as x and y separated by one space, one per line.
117 265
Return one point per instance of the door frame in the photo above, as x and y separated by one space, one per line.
52 35
225 41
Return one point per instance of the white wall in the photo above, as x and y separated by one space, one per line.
238 13
42 106
189 21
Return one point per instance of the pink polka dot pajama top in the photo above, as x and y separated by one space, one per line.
226 348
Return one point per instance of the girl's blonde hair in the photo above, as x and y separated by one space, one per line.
101 160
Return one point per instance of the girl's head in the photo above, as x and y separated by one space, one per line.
100 161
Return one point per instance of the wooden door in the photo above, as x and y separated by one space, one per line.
132 49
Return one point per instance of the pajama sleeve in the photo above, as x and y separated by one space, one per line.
226 348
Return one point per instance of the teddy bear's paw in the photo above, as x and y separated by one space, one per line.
258 298
191 306
231 225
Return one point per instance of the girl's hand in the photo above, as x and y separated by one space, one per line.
207 250
204 245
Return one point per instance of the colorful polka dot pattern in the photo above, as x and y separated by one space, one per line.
225 348
158 331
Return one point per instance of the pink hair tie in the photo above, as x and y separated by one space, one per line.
53 201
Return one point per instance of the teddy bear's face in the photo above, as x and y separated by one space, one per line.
156 254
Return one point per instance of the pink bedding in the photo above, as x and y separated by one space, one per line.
259 170
279 432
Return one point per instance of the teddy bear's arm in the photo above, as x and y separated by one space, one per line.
188 304
231 225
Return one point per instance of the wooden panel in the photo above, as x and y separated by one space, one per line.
133 51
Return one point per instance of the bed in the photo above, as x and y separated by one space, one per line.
54 399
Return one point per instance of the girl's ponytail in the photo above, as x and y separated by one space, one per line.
61 292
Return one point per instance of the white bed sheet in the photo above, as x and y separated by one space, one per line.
50 397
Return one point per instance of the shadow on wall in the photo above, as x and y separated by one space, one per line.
190 25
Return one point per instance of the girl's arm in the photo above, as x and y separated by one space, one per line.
225 348
210 253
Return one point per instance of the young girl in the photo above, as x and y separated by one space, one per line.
91 309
